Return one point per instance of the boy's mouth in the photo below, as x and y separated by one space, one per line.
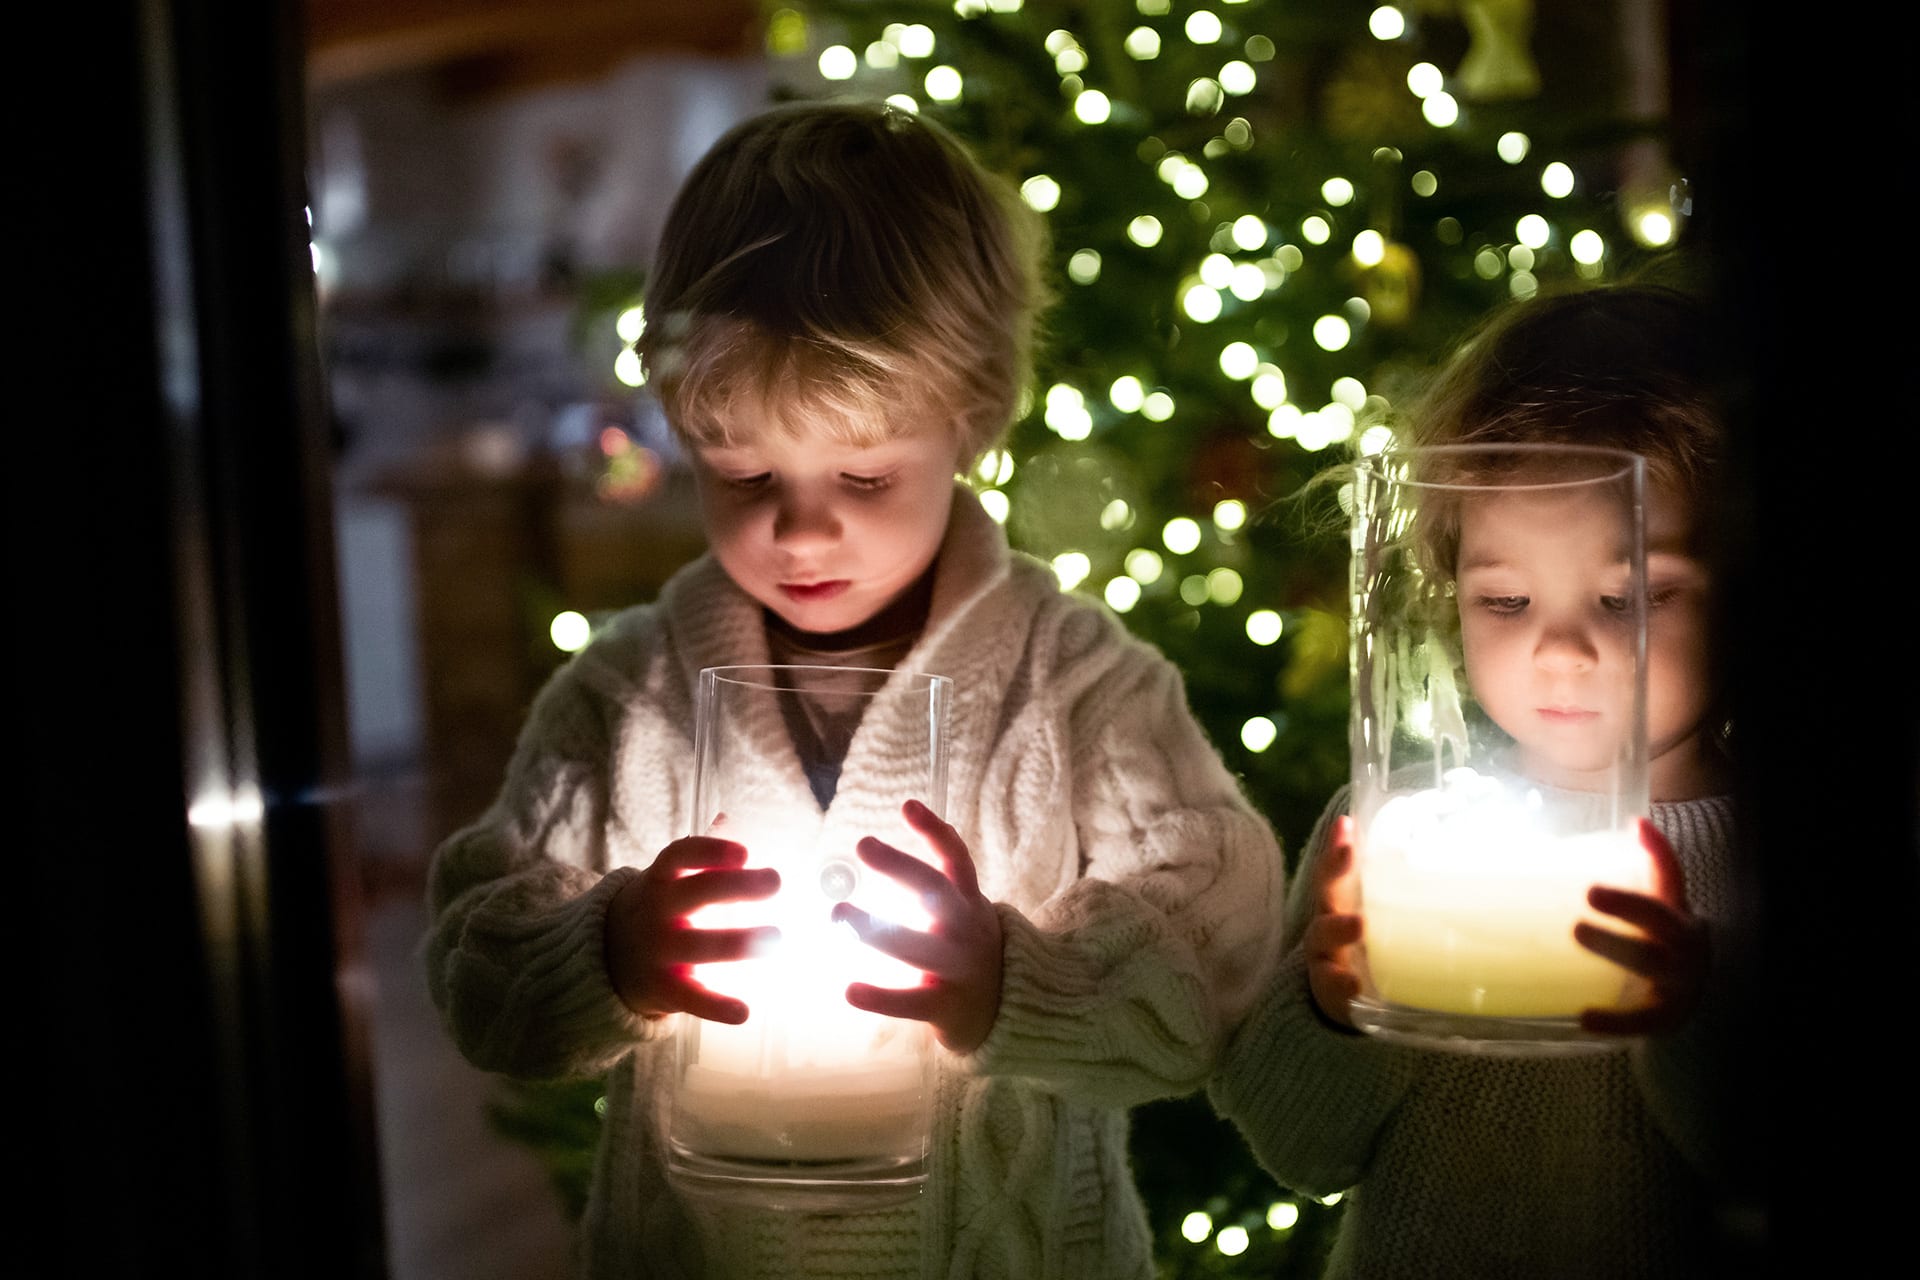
813 592
1566 715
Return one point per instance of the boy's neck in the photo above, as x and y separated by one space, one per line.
904 616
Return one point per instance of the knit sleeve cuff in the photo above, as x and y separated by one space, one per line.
1106 1008
1308 1094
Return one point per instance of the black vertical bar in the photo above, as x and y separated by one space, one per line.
202 1088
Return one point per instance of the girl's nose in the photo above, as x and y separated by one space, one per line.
1566 647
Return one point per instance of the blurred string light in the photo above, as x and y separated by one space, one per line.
1315 229
1232 1241
1127 394
1084 266
1042 193
1533 231
1239 361
1369 248
914 40
904 101
1196 1226
1071 568
1238 78
1067 413
1282 1215
1424 80
1229 515
838 63
1144 566
1092 107
1159 407
1336 191
1144 231
569 631
1557 180
996 505
1264 626
1180 535
1513 147
1121 594
1204 27
943 84
1143 44
1256 735
1387 23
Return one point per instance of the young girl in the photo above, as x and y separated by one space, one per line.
1599 1164
839 320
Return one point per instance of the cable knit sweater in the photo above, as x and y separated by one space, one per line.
1139 897
1485 1167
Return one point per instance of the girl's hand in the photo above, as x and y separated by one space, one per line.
651 948
1334 929
1672 956
959 993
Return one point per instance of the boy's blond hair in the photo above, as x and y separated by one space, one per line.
848 267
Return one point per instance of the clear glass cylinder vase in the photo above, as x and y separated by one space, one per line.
1498 737
810 1103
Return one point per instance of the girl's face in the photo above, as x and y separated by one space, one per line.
1540 584
827 534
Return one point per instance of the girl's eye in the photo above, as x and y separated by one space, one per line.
867 484
1614 604
1503 606
757 481
1657 596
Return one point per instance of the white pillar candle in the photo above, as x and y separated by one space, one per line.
1469 894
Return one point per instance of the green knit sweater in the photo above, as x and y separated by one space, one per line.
1461 1165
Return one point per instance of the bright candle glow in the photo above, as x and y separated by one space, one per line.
1144 231
569 631
1092 107
838 63
1040 192
1557 180
1264 626
1181 535
1258 733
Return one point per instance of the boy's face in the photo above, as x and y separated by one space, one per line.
827 534
1541 583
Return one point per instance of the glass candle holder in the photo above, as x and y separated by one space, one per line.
1498 738
810 1103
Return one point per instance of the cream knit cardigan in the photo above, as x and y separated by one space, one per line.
1139 895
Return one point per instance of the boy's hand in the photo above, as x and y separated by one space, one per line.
651 948
1334 929
1672 957
960 954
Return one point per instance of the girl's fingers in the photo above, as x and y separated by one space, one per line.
1640 956
1651 915
921 950
1328 934
1335 885
946 842
1669 881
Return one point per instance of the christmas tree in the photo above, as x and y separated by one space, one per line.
1268 219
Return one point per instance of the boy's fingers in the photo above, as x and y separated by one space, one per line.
698 853
1669 881
1335 884
691 997
921 950
946 842
919 1004
689 893
712 946
921 877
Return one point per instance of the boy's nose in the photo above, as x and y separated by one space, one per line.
800 522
